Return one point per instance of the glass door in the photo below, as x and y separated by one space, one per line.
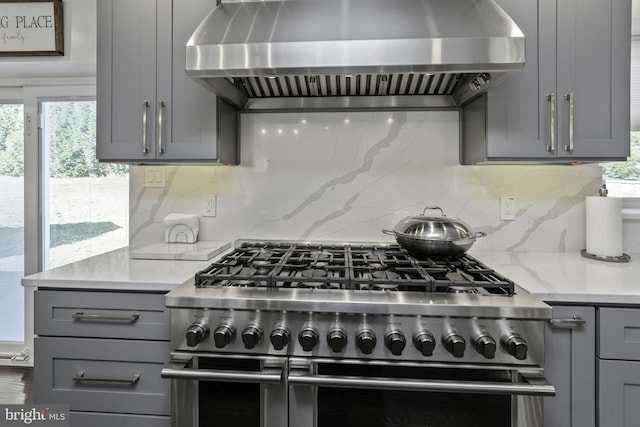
11 227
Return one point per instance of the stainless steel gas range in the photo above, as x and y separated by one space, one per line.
278 333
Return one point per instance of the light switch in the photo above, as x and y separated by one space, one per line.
154 176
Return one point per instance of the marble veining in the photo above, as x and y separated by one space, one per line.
347 176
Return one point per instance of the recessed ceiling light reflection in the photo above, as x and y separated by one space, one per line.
279 131
346 121
303 121
390 120
295 131
263 131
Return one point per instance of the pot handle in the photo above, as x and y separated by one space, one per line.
389 232
433 207
480 234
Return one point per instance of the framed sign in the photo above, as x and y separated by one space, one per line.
32 27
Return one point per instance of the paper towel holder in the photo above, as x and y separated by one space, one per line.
603 192
621 258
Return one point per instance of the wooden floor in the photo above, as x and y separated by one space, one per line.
16 385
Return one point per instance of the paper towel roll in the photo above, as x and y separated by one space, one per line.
604 226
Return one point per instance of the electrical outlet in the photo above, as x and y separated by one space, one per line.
209 208
507 208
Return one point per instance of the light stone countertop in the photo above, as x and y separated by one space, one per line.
551 276
569 277
116 270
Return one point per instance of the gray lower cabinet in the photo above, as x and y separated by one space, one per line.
570 365
148 109
619 367
571 100
102 353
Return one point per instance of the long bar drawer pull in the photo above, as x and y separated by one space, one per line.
568 323
534 387
81 316
81 378
268 375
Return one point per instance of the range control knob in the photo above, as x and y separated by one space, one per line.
196 333
395 342
425 342
485 345
308 338
280 337
251 336
515 346
366 340
455 344
223 335
337 339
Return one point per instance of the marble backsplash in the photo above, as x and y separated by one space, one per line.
347 176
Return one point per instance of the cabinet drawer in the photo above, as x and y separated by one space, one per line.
118 376
619 336
101 315
97 419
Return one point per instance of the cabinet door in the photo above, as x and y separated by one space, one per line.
126 79
619 393
189 127
518 114
594 46
570 366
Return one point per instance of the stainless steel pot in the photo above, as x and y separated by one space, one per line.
434 236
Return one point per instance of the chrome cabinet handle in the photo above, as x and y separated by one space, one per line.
80 377
535 386
81 316
161 106
145 108
571 98
568 323
552 120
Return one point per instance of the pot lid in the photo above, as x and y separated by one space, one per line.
434 228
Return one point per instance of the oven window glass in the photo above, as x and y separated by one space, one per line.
338 407
229 404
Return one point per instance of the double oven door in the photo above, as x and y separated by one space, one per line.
213 389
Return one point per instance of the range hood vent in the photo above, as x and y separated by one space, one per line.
354 53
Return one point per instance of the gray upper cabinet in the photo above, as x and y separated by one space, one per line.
149 110
571 100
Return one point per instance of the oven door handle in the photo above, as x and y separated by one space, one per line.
534 385
177 370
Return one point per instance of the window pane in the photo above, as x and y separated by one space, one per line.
11 222
623 178
87 202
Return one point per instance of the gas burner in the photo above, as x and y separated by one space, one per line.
314 285
314 272
463 289
241 270
386 274
241 283
385 287
262 267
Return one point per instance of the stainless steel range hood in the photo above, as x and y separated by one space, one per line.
354 53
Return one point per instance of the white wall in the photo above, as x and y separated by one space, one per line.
79 60
347 176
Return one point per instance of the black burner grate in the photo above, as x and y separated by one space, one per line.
367 267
